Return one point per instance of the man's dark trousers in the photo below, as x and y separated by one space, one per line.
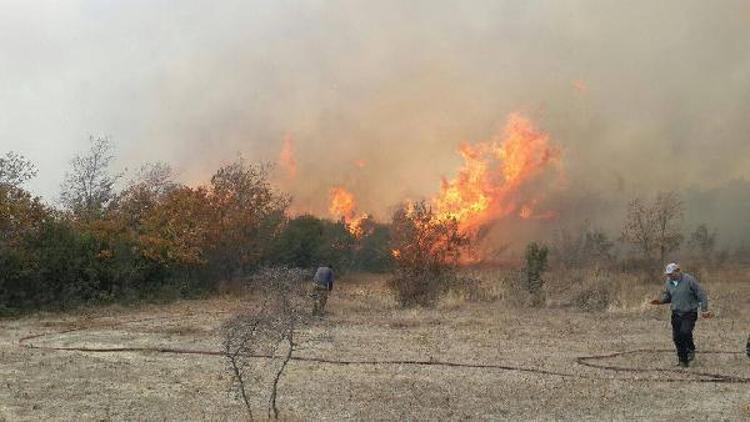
682 333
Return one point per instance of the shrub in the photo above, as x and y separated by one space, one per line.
594 298
536 264
426 251
268 329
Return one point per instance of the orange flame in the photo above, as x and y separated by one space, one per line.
493 180
286 157
343 205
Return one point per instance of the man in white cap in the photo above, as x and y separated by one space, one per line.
686 295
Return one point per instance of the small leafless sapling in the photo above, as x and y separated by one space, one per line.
260 341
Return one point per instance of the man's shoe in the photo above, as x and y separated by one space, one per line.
685 364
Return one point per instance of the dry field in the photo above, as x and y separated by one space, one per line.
486 360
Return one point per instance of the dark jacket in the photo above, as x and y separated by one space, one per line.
324 277
685 294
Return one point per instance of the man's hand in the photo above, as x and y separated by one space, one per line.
655 302
707 315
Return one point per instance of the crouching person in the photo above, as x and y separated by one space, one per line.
686 296
322 286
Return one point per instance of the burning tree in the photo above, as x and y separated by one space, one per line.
426 250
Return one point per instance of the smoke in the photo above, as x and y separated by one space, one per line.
377 96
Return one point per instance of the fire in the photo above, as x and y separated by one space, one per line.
528 213
286 157
343 205
495 177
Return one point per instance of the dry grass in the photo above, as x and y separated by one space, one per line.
365 323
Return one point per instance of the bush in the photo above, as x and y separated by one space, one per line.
426 250
417 289
595 298
536 264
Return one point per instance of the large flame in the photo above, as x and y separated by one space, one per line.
490 184
286 157
343 205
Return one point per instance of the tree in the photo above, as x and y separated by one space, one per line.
89 186
654 229
300 242
16 170
22 217
668 212
249 214
180 230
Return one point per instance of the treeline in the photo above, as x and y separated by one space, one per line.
652 233
155 236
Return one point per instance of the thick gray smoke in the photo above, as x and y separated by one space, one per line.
640 95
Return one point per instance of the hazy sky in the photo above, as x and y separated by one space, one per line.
640 95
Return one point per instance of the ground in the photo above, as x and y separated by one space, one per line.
513 363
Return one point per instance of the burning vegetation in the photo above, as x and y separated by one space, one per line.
158 233
495 178
343 206
507 175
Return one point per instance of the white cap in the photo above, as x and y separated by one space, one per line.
672 268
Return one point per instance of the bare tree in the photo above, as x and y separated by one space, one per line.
668 211
259 342
16 170
654 229
89 186
155 178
